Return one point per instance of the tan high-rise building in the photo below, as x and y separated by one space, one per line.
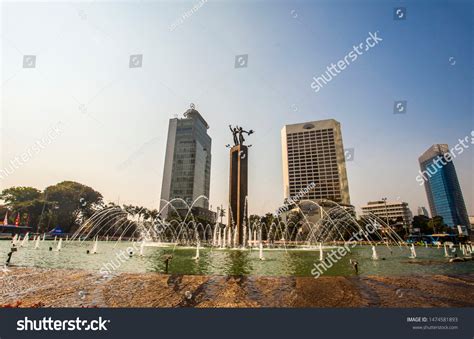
390 211
313 152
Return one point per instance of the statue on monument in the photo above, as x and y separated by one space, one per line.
234 131
238 183
238 134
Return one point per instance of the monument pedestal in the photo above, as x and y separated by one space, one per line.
238 180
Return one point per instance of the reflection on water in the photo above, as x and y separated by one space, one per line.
237 263
277 262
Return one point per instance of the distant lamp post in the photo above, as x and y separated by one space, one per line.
386 210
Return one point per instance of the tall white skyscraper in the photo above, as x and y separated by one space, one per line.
187 171
313 152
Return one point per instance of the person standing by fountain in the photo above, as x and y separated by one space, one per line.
9 255
355 265
167 259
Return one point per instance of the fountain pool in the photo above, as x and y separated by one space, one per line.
215 261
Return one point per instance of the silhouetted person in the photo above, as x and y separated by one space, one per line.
9 255
355 265
167 261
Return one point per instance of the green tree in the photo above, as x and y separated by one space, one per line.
28 201
73 203
3 211
430 226
16 195
294 217
254 219
421 222
437 225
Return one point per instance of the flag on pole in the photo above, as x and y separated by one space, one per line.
17 220
5 221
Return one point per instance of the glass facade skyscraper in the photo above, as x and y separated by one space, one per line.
442 186
187 171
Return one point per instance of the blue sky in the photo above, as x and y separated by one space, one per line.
115 118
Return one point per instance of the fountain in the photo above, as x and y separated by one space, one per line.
224 238
413 252
260 251
94 247
374 254
272 238
244 244
24 242
196 257
336 226
446 254
59 246
214 235
234 240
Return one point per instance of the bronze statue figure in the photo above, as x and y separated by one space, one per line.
240 132
234 134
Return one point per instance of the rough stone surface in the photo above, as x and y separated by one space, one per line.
79 288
